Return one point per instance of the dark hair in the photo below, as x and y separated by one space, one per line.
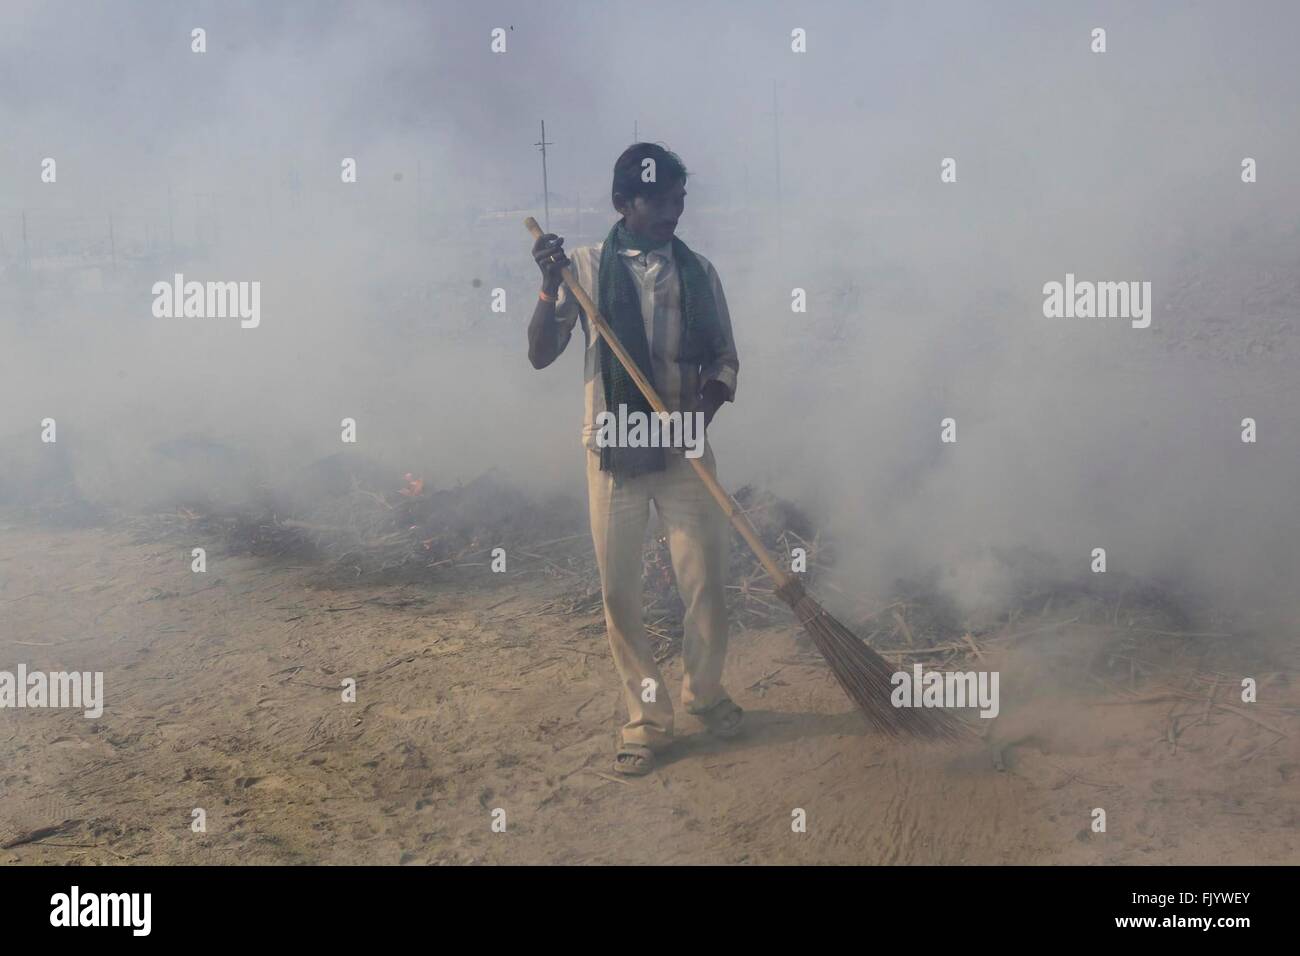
669 170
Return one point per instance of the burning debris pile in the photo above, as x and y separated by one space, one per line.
366 526
362 524
1100 633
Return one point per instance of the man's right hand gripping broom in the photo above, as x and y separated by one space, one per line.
548 253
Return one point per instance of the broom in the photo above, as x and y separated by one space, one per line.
863 674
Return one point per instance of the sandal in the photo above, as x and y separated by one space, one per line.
634 760
724 719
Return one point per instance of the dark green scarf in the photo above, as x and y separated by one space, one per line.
620 303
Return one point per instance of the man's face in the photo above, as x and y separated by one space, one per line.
656 216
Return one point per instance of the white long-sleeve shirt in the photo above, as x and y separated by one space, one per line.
677 382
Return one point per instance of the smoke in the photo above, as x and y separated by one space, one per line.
818 171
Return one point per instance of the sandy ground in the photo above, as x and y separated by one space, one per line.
479 692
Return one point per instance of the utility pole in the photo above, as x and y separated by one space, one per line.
546 187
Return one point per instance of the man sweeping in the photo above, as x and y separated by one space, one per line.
665 304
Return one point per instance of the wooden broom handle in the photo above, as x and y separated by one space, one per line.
728 504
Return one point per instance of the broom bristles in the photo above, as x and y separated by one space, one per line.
864 674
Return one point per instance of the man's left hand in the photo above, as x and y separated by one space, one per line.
713 395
